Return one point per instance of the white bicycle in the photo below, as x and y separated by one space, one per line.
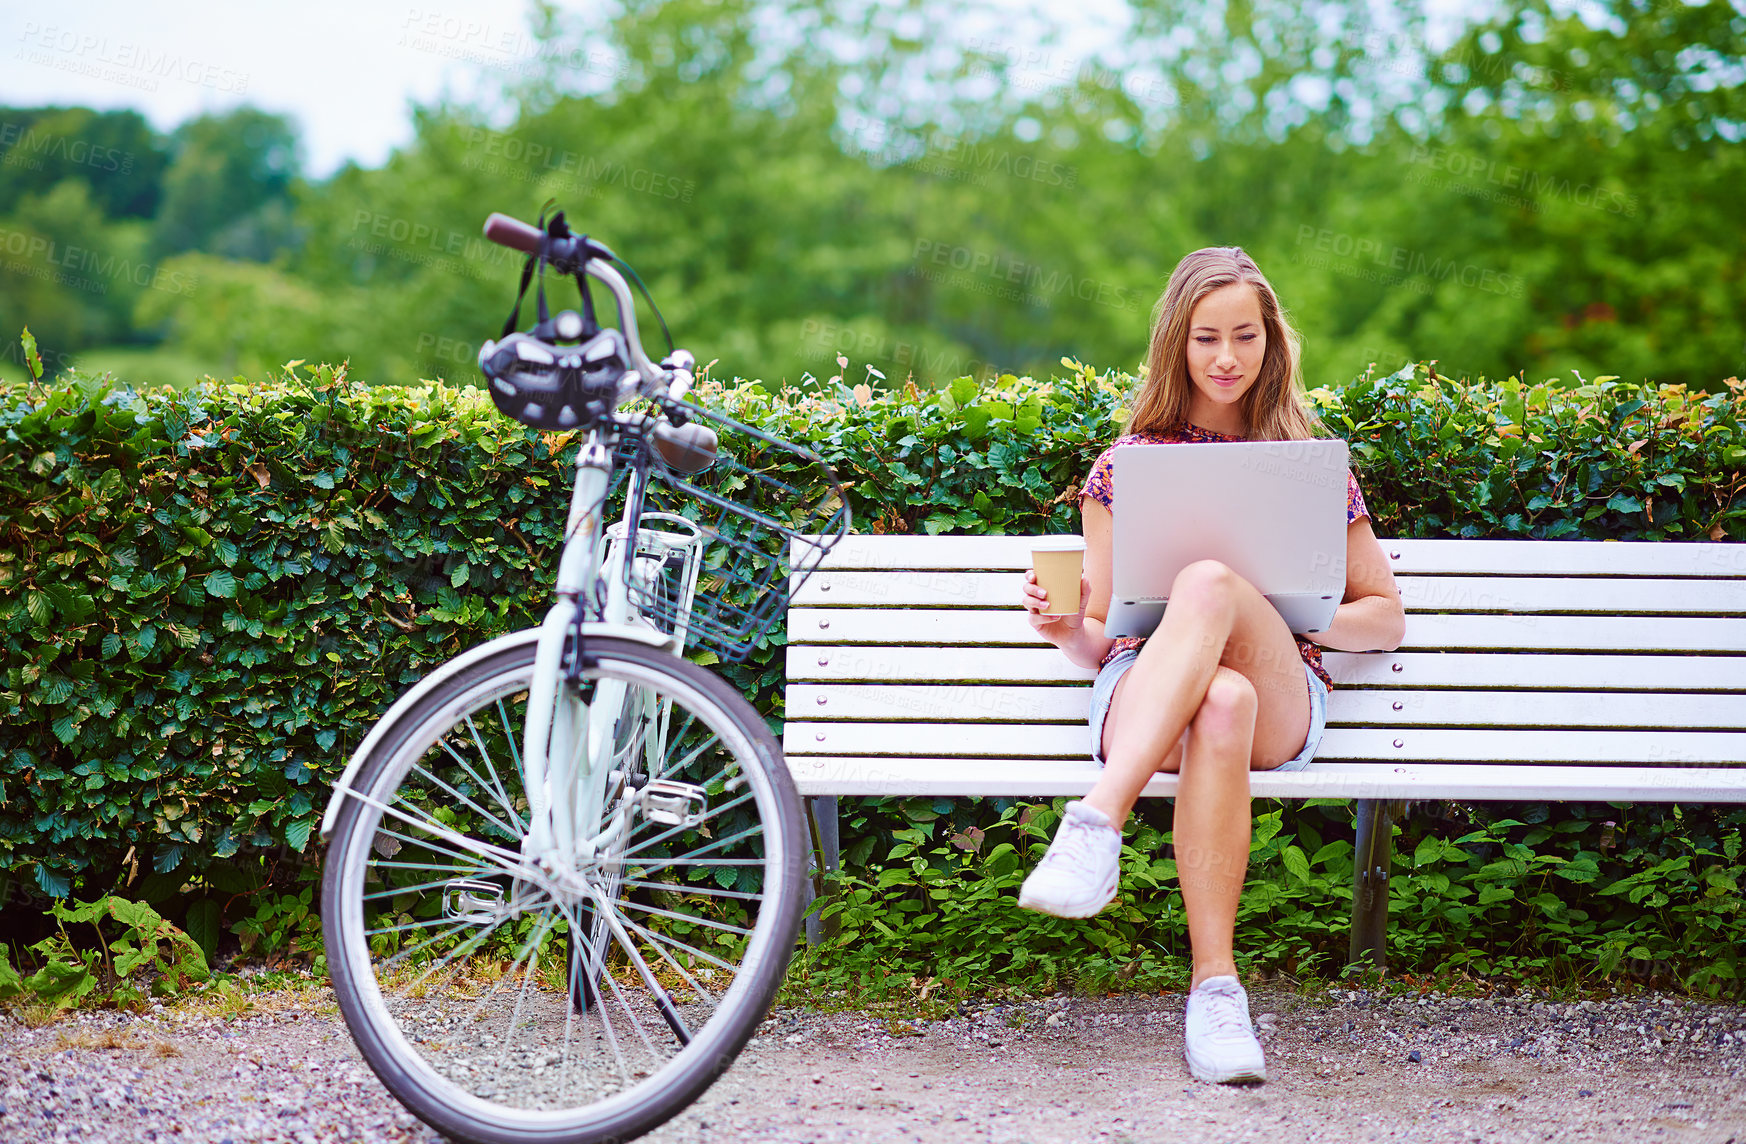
565 871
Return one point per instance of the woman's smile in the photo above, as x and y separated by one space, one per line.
1227 343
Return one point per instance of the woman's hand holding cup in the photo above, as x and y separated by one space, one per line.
1055 589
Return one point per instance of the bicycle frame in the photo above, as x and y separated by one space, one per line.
550 733
565 748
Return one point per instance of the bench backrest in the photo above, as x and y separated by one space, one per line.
909 658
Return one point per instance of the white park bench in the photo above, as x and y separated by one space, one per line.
1531 670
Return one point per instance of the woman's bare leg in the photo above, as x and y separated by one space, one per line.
1218 626
1215 618
1213 821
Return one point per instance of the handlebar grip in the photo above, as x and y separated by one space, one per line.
513 233
686 449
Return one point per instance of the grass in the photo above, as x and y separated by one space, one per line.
224 997
818 981
898 997
96 1040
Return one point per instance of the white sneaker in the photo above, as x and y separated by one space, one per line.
1219 1042
1077 877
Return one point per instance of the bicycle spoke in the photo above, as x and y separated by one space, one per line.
385 864
409 951
533 964
470 945
675 830
474 1015
599 1010
501 798
632 923
471 846
397 891
659 864
692 918
655 865
410 926
495 782
427 843
630 1018
490 818
681 888
661 952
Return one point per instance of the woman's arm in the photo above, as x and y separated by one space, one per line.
1370 616
1080 637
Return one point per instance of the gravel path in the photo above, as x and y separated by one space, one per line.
1350 1066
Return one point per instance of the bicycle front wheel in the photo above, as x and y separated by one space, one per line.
456 958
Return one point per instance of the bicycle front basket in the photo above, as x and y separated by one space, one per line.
769 512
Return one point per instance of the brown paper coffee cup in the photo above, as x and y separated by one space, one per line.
1059 561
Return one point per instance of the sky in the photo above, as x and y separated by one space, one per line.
347 71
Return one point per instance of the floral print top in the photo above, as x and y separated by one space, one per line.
1100 487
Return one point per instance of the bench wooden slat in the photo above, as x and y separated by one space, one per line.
1521 670
1476 782
1609 595
920 665
1420 744
935 626
1346 706
813 663
1520 557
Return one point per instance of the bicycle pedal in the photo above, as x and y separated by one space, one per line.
673 803
465 899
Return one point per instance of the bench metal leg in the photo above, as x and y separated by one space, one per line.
1370 863
822 811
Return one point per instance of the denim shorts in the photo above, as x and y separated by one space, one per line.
1104 690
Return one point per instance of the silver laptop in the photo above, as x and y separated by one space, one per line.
1275 511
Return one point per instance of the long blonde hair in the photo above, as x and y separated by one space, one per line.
1276 408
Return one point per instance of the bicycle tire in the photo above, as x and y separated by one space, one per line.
419 828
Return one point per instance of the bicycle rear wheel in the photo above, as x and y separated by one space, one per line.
452 954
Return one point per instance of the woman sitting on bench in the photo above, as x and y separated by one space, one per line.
1223 686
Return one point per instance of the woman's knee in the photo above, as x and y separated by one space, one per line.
1206 584
1230 705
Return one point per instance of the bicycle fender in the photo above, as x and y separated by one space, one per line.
644 635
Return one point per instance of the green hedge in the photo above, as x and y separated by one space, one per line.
209 595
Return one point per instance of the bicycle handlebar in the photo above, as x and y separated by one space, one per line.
576 254
513 233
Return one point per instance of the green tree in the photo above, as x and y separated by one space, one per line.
71 274
115 152
228 188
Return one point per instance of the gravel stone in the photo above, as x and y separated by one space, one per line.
1503 1070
